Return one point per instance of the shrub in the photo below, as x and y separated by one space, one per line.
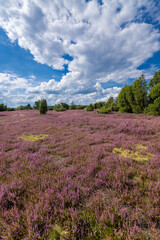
80 106
153 108
59 107
155 92
64 105
10 109
98 105
72 106
104 110
43 106
90 107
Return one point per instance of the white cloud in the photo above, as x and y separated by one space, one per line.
107 42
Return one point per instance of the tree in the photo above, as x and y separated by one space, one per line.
72 106
3 107
65 105
153 108
139 95
43 106
155 79
36 104
123 103
98 105
154 92
90 107
104 110
109 102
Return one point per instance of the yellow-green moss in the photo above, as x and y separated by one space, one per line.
137 179
136 156
32 138
140 146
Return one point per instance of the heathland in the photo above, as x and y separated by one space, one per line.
79 175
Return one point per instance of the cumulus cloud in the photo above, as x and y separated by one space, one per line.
13 88
107 41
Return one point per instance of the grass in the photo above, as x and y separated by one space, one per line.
32 138
135 155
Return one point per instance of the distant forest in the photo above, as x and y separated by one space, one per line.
140 97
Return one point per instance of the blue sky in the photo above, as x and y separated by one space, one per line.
81 51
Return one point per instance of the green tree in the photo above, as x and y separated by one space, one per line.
3 107
137 95
153 108
72 106
65 105
109 102
36 104
154 92
43 106
155 79
123 103
90 107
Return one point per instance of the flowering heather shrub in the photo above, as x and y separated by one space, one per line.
71 184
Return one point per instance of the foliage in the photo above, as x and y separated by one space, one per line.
43 106
153 108
10 109
155 80
109 102
64 105
80 107
36 105
72 106
50 107
154 92
90 107
98 105
138 95
24 107
3 107
123 102
134 98
61 107
104 110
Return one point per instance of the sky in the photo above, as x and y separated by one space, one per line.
83 51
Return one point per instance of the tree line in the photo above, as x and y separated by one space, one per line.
139 97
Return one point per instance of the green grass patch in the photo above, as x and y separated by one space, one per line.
135 155
32 138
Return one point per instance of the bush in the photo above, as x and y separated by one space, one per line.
90 107
10 109
98 105
59 107
43 106
153 108
150 110
64 105
124 109
104 110
80 106
72 106
155 92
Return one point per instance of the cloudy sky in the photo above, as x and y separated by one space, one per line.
75 50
